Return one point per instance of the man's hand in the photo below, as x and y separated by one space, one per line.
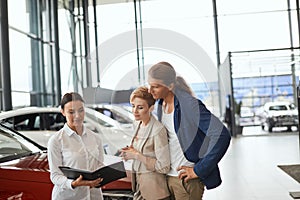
186 173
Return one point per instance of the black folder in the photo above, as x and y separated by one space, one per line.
109 173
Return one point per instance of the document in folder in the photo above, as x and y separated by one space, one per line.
108 173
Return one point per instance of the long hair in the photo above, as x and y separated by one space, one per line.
165 72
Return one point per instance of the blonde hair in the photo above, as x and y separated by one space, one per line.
142 92
165 72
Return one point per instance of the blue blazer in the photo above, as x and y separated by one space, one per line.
202 136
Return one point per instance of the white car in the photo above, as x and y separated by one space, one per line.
116 112
39 123
279 114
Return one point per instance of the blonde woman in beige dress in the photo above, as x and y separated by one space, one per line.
149 150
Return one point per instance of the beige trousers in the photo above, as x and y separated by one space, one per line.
192 190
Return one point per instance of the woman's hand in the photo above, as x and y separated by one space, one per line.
80 182
186 173
129 153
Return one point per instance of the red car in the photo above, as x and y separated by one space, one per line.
24 171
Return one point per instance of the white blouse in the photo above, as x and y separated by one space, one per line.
176 153
66 148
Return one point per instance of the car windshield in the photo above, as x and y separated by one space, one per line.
115 112
278 107
115 115
13 146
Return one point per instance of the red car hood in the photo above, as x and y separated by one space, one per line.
35 168
30 168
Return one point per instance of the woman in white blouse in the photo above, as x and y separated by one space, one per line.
77 147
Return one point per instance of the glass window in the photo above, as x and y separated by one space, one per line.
18 14
20 68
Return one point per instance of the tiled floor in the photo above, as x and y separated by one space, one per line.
249 168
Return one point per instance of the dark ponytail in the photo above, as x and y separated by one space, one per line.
72 96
